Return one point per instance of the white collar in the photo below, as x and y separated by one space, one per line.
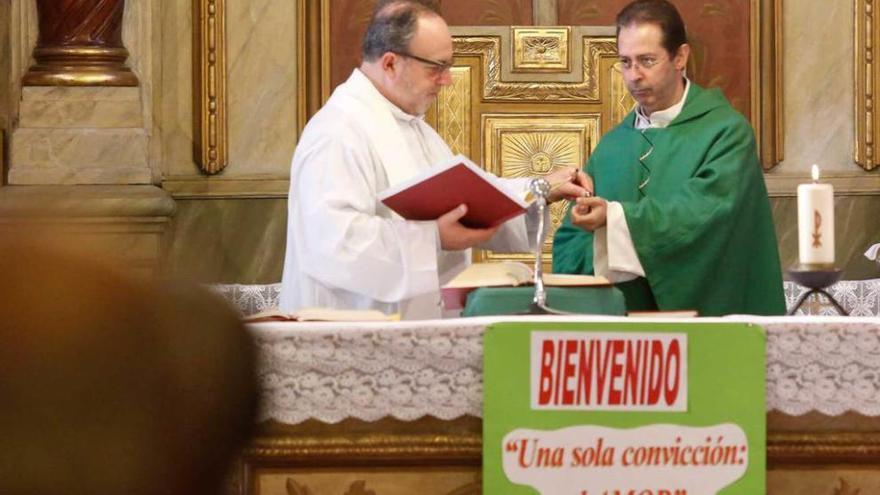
662 118
398 113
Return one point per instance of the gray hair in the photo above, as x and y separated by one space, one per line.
393 26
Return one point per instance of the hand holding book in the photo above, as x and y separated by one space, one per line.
458 181
454 236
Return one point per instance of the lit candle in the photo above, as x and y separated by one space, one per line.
816 222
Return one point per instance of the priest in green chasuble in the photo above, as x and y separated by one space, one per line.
680 217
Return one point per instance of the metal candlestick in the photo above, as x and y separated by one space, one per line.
816 278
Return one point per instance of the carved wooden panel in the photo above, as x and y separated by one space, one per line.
541 49
567 111
489 48
425 481
453 110
431 456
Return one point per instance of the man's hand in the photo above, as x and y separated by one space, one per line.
454 236
569 183
589 213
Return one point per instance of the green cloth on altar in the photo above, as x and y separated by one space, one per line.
700 223
491 301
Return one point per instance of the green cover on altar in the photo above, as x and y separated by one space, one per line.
492 301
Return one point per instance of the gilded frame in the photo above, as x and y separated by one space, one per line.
210 140
766 84
867 75
210 126
457 442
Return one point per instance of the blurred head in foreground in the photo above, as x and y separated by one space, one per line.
112 385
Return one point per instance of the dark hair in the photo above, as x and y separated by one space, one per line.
659 12
393 26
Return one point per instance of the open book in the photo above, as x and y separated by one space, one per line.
681 313
507 274
320 314
446 185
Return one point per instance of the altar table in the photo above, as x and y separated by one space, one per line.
394 407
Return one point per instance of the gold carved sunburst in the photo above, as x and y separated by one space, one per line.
531 153
529 145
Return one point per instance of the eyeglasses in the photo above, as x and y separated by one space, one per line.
437 67
644 62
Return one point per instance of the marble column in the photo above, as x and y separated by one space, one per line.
79 155
81 118
80 44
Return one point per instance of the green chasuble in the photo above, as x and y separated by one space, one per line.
695 202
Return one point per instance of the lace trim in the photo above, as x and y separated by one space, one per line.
858 297
331 372
830 368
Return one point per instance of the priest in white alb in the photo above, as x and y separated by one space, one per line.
345 249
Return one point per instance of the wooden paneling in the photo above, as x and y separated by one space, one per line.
718 31
487 12
349 19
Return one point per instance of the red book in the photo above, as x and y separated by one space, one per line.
441 188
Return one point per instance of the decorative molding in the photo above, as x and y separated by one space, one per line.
488 48
313 58
196 187
844 184
325 50
334 447
211 140
374 449
454 112
543 49
360 487
822 449
766 80
867 76
210 132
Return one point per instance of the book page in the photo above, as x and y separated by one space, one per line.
514 273
333 314
573 280
491 275
320 314
682 313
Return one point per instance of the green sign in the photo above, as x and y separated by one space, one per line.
624 409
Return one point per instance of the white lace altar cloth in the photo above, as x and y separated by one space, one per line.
858 297
408 370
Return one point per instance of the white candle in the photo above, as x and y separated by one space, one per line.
816 222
